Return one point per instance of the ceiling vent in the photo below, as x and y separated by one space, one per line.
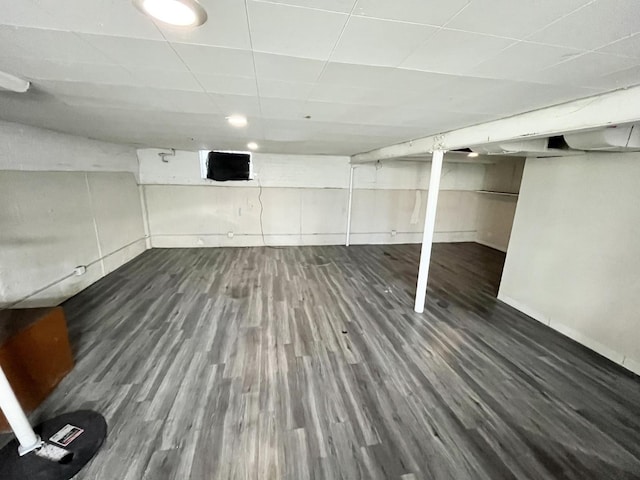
612 139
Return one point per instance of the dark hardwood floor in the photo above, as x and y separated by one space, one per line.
309 362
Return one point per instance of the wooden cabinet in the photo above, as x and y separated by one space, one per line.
34 353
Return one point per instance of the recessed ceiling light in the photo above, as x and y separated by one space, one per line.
252 146
181 13
237 120
473 154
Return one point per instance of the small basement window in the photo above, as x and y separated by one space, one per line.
226 166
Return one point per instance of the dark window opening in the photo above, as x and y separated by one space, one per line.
225 166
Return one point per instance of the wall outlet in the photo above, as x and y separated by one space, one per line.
393 233
230 234
200 241
80 270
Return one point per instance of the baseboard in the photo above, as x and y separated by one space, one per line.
244 240
521 307
495 246
632 365
123 255
590 343
280 240
69 285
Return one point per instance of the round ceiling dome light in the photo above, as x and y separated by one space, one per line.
180 13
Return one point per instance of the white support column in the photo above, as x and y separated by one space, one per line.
429 226
349 208
16 417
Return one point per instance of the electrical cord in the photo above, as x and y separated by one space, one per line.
261 211
264 242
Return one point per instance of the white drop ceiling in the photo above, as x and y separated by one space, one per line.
369 72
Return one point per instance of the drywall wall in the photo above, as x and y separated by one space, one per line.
495 219
30 148
574 256
302 200
53 221
496 210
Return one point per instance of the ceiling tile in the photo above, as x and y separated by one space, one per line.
629 47
287 69
36 69
50 45
129 97
371 41
319 111
191 102
293 31
620 79
103 17
450 51
414 11
278 108
237 104
417 81
226 26
343 6
228 84
348 74
26 13
367 96
520 61
429 119
611 20
114 96
339 94
584 70
290 90
519 97
216 60
337 112
290 130
459 93
509 18
165 79
135 52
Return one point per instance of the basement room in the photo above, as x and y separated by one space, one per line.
320 240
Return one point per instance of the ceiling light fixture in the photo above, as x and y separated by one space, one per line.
252 146
13 83
180 13
473 154
237 120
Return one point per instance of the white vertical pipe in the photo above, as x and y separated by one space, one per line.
16 417
429 226
349 208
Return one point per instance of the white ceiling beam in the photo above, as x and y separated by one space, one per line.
613 108
13 83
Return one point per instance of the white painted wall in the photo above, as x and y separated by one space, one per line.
53 221
495 220
304 202
574 257
496 212
30 148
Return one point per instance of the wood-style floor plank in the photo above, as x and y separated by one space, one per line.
309 363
